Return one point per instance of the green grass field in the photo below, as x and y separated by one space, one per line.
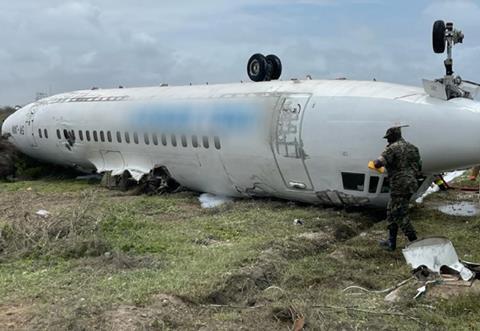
105 260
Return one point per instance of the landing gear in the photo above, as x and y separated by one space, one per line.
438 37
262 68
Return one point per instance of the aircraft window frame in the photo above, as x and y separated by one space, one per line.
135 138
353 181
40 133
195 141
184 140
155 139
45 133
59 135
205 142
127 137
173 140
146 139
87 135
80 135
119 137
164 139
216 142
109 136
95 136
385 188
102 136
373 184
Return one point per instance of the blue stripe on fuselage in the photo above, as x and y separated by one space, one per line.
199 116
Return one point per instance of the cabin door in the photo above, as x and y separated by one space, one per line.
288 145
30 126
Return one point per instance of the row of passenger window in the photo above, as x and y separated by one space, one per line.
106 136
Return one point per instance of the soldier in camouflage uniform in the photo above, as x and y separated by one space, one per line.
403 164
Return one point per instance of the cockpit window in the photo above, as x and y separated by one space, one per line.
353 181
373 185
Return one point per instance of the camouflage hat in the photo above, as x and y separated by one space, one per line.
394 131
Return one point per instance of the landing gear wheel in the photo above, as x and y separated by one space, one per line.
276 66
438 37
258 68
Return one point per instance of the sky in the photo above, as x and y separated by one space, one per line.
54 46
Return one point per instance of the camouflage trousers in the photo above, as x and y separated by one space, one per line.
397 214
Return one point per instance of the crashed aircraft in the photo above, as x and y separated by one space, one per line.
303 140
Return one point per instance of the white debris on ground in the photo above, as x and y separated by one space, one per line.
43 213
208 200
434 188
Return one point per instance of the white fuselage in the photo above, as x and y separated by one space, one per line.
300 140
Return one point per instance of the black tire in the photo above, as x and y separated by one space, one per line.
438 37
276 66
258 68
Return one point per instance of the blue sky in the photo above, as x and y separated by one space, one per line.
57 45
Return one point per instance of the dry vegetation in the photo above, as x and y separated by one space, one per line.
109 261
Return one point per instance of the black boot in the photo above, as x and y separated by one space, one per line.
391 243
412 236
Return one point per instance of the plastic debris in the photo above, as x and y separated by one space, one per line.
298 221
43 213
208 200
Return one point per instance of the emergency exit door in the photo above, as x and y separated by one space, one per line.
288 146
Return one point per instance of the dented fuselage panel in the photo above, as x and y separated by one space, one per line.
307 140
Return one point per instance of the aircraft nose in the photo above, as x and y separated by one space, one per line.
6 132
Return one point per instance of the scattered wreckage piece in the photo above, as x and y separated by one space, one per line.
438 255
157 182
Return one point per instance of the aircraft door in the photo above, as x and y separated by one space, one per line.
288 145
30 127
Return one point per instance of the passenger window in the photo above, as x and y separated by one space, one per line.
155 139
373 185
127 137
385 186
95 136
353 181
119 137
146 139
135 138
59 135
174 140
194 141
87 135
80 135
184 140
45 133
216 141
164 140
109 136
205 142
102 136
65 134
40 133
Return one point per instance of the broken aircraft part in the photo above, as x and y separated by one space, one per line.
435 253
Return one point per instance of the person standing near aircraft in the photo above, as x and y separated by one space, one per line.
403 164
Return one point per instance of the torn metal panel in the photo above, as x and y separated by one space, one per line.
435 253
336 198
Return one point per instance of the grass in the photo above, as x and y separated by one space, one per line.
249 251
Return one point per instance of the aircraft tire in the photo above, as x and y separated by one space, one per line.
438 37
276 66
258 68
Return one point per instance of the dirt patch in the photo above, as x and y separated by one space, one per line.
243 286
164 312
15 317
